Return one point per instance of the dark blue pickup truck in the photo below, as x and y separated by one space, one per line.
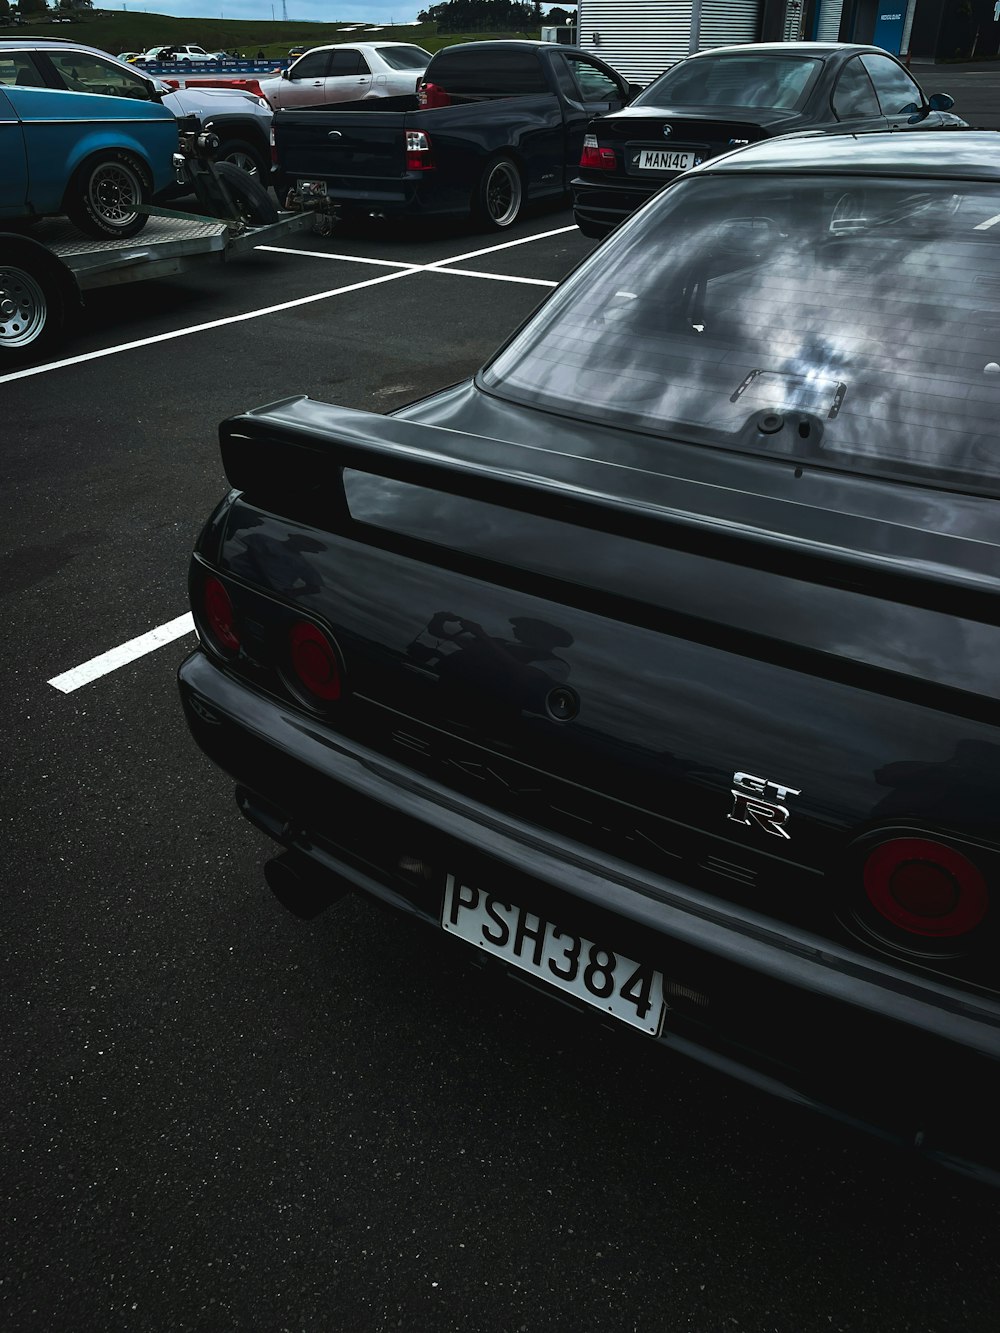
492 125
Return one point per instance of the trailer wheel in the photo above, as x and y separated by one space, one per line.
32 305
243 155
105 195
253 204
496 200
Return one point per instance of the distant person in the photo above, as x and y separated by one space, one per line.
261 55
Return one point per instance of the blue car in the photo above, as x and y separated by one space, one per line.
93 151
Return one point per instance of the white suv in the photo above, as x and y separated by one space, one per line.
364 70
178 53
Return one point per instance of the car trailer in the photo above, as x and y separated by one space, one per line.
45 274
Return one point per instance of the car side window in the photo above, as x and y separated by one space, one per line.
595 84
346 62
315 65
81 72
894 87
854 95
18 70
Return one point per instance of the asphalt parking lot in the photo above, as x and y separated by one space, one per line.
218 1117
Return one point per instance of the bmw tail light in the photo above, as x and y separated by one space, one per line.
430 95
596 157
418 151
218 616
925 887
315 664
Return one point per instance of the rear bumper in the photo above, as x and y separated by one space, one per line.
905 1058
603 204
416 195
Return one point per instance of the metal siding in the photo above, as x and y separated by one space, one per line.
640 38
728 22
828 28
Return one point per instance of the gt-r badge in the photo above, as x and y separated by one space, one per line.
757 801
667 131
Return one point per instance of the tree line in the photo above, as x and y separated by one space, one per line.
489 15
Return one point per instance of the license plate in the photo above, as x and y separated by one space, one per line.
609 981
660 159
311 189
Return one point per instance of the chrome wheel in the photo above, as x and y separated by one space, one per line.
23 309
502 193
114 193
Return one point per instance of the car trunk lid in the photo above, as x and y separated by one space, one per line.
615 654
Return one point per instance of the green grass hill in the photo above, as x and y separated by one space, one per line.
115 31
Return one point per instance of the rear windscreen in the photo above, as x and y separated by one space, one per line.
776 82
489 73
404 57
852 323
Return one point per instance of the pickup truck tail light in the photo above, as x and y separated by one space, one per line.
430 95
418 151
925 887
596 157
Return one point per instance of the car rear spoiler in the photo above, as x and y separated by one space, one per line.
283 454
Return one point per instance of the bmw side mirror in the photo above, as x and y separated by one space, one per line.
941 102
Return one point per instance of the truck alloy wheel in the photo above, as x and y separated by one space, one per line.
105 197
498 201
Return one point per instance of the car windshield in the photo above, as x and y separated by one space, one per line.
775 82
404 57
855 324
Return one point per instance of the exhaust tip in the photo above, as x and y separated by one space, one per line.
300 888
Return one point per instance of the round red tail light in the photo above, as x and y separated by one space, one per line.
219 616
925 887
315 662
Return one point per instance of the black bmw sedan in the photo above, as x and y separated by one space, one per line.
722 99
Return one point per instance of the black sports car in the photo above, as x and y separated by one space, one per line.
722 99
660 663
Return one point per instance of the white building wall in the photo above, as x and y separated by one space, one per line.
728 22
642 38
828 28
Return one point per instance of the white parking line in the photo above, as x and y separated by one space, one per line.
436 267
401 272
123 654
494 277
198 328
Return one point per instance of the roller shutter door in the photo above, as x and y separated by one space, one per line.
640 38
828 28
728 22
